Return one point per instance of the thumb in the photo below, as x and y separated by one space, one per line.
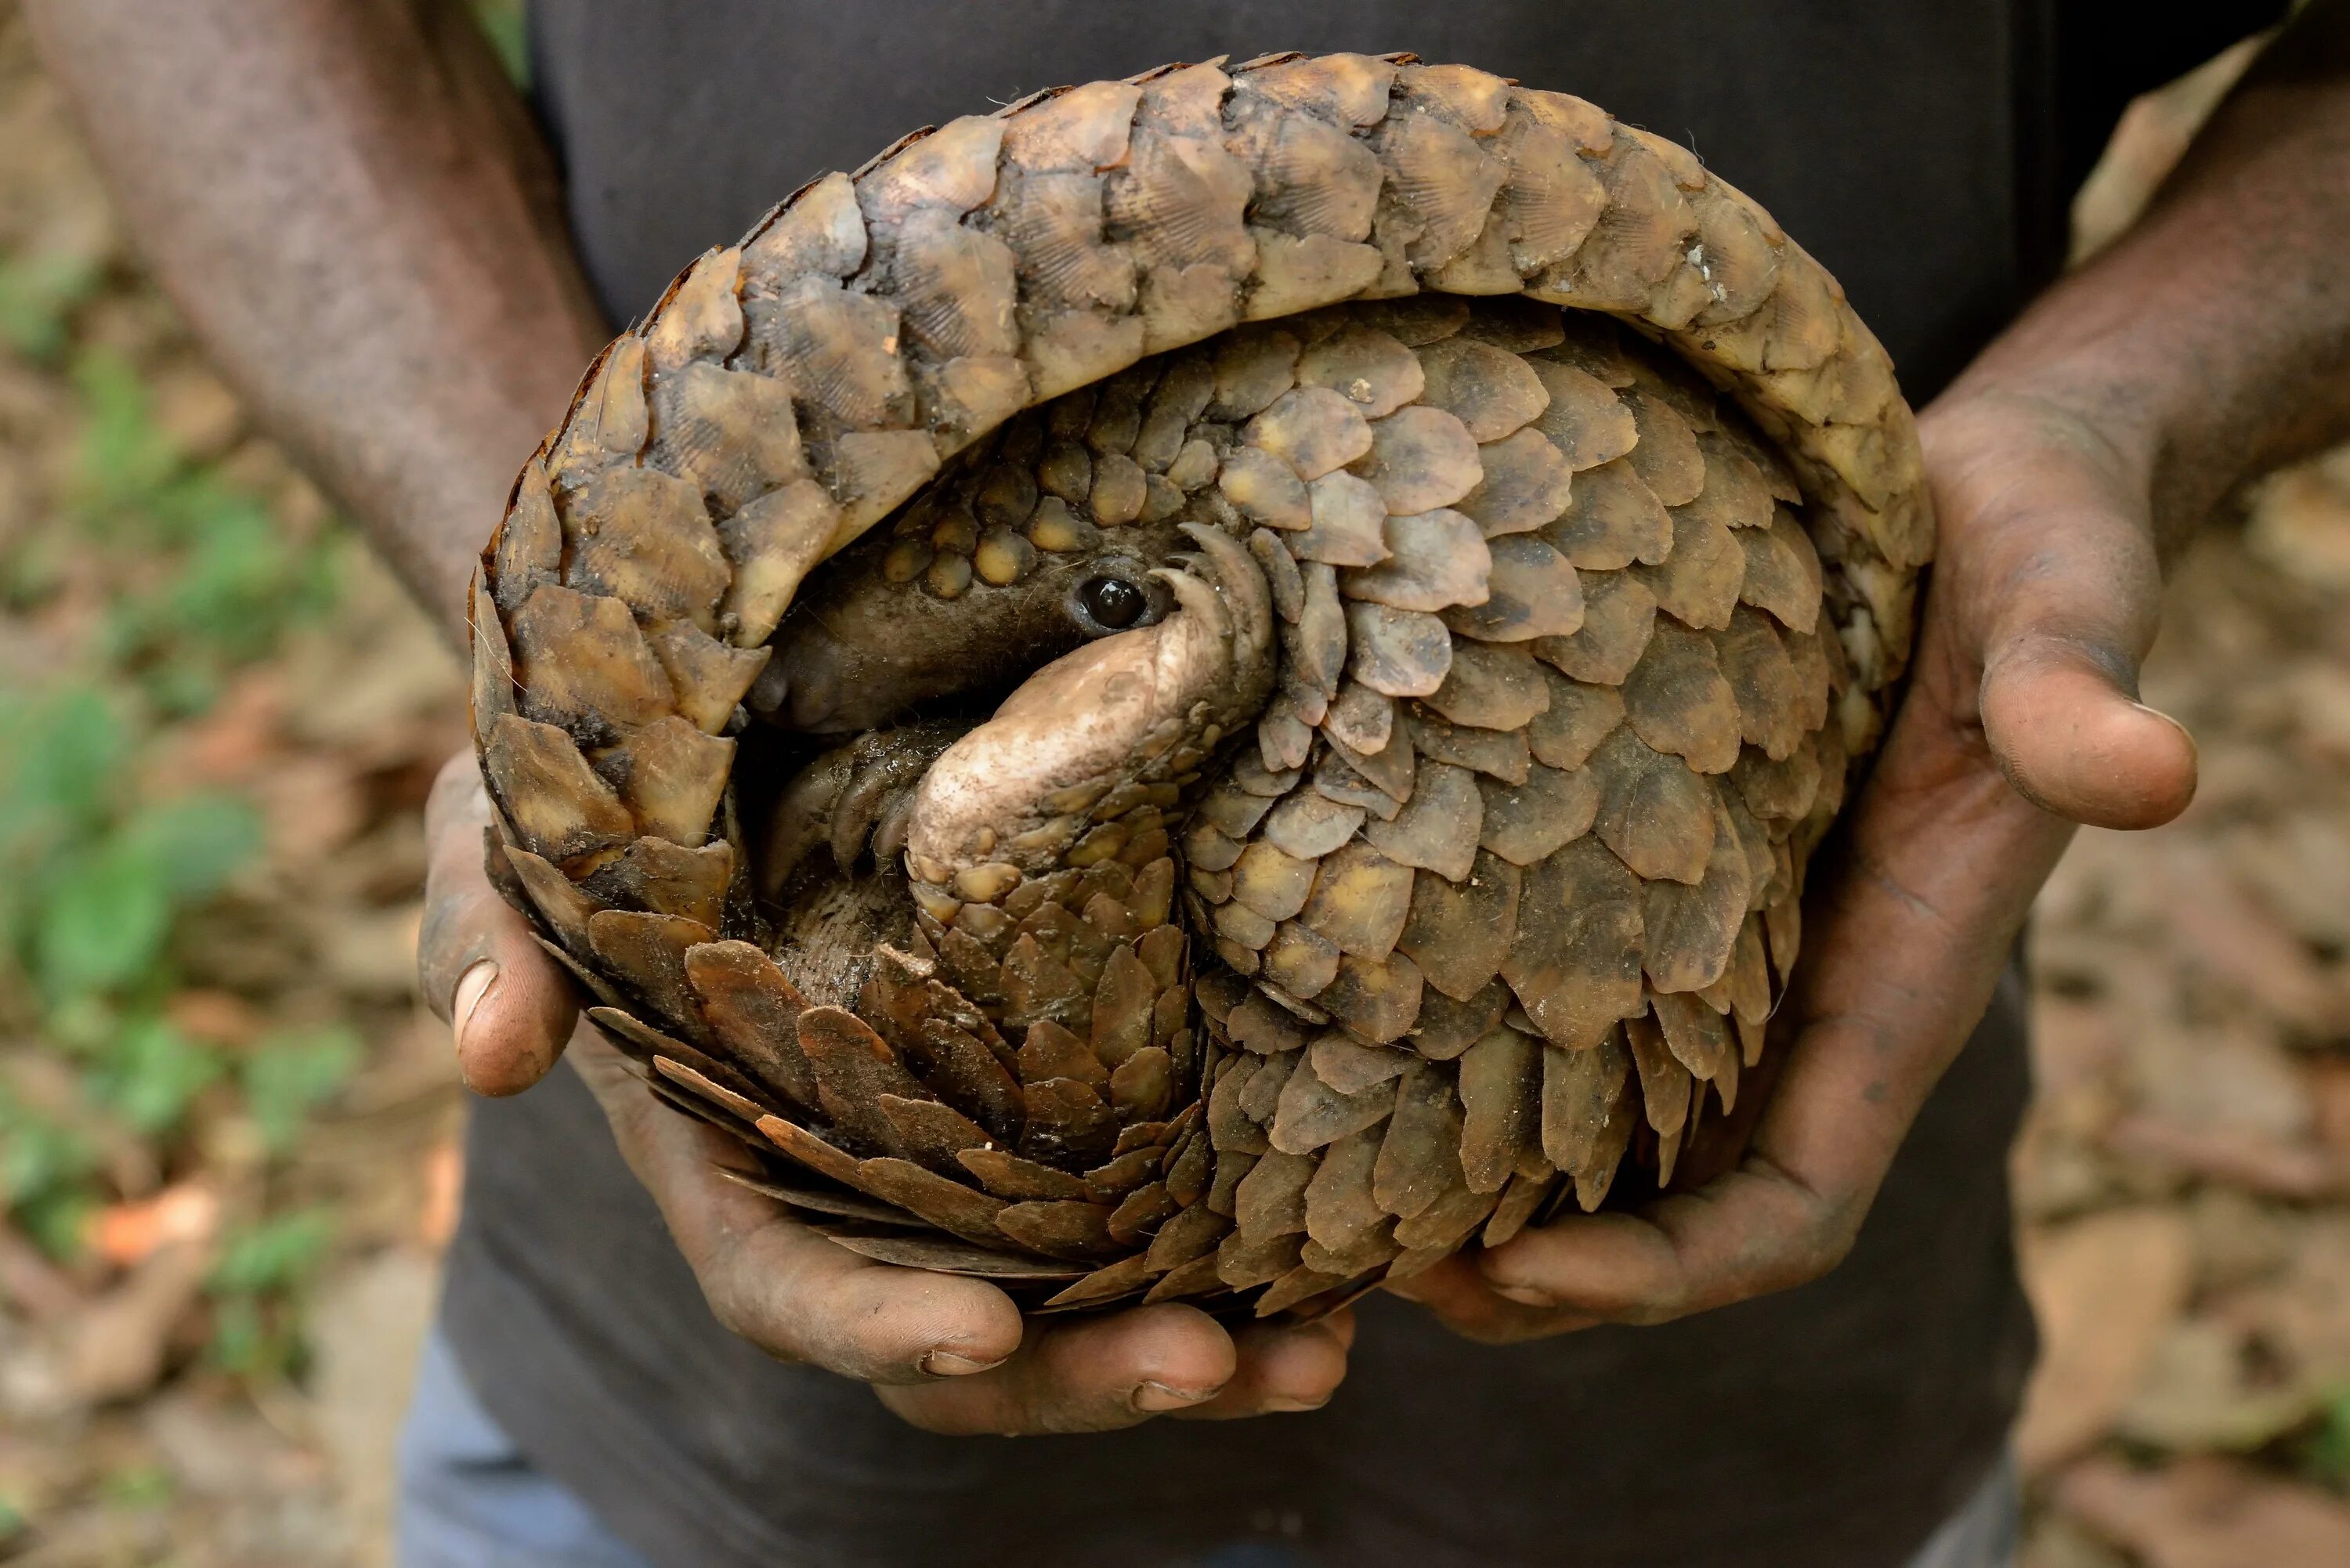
2061 716
478 963
2054 563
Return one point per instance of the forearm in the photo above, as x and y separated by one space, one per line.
2212 343
348 202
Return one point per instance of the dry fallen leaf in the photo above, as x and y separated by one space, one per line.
2206 1387
2302 524
2207 1513
2245 1157
2104 1289
445 1185
2230 1076
220 1016
2220 928
117 1348
127 1234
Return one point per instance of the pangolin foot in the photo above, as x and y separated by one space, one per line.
854 797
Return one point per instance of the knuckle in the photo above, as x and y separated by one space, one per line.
1667 1306
734 1314
1819 1243
1487 1329
753 1314
919 1409
1829 1243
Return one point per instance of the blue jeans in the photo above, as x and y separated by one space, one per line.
469 1500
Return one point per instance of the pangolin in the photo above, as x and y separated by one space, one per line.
1209 686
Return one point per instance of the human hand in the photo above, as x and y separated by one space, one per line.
2020 720
947 1352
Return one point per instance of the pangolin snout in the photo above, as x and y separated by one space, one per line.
862 651
1106 712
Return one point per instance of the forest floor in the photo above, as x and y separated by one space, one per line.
227 1137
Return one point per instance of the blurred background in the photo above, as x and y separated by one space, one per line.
227 1135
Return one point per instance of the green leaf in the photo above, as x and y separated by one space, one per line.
503 21
199 840
104 920
125 458
37 1154
241 1340
154 1071
38 295
274 1254
287 1077
137 1486
61 757
45 1175
58 1219
2328 1453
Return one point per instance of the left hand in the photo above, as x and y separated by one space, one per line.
2021 719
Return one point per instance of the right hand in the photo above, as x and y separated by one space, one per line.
947 1352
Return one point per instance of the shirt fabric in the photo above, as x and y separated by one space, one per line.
1924 152
467 1497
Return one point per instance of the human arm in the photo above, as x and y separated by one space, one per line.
348 204
2070 461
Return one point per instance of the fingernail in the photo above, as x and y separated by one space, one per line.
472 986
1526 1295
1151 1398
1288 1405
947 1364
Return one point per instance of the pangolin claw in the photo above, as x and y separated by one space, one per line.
855 796
1108 715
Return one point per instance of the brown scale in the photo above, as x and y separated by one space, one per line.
1079 691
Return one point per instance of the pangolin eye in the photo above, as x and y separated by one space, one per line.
1112 602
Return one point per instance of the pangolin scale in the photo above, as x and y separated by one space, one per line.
1209 687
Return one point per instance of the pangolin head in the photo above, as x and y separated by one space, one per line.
912 622
1003 659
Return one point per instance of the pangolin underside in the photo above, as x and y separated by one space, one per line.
1209 687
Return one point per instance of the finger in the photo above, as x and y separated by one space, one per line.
510 1008
1281 1370
1465 1301
784 1287
1084 1376
1750 1232
2058 573
2061 716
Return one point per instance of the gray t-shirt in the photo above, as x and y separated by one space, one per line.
1923 152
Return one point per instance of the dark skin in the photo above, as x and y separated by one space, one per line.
359 231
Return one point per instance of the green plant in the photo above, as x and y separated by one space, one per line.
38 294
256 1290
288 1076
235 582
46 1175
2326 1455
104 859
503 21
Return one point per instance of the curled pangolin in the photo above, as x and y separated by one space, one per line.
1209 686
